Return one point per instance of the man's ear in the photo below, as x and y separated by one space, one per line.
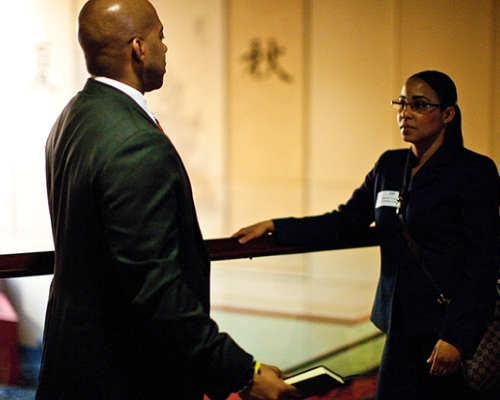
138 52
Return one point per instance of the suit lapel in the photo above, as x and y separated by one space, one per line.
430 170
94 87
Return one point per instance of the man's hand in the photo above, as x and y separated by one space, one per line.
254 231
268 384
445 359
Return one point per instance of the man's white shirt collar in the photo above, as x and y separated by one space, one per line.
137 96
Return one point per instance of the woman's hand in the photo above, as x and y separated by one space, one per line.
255 231
445 359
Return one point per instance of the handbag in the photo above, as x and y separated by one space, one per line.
482 372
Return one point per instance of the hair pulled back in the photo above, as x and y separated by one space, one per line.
446 91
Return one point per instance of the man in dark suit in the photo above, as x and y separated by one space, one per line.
128 314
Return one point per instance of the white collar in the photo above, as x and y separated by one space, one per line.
137 96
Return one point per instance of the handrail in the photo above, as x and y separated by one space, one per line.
42 263
320 359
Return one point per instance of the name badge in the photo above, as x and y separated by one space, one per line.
387 198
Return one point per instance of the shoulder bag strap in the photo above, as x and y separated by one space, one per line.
441 299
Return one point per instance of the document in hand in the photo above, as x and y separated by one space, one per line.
315 381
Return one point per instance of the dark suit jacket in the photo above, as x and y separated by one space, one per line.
128 315
451 209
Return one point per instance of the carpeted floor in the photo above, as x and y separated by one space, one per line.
360 388
29 366
15 393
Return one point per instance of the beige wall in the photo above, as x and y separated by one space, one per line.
456 37
37 72
494 98
266 109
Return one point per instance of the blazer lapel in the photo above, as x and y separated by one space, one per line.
430 170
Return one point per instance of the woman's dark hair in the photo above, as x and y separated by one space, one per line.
447 93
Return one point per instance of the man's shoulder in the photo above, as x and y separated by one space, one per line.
102 95
104 107
102 119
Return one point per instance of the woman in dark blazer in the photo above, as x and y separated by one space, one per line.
449 198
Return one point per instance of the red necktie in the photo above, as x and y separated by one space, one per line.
159 126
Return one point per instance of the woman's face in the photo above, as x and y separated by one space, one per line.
422 125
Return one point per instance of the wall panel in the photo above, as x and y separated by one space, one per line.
455 37
191 105
494 99
266 103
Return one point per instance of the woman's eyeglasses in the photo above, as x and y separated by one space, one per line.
420 107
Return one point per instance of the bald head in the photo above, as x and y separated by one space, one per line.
107 29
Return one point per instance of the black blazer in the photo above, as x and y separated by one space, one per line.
451 209
128 315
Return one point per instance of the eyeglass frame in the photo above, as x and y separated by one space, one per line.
422 107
